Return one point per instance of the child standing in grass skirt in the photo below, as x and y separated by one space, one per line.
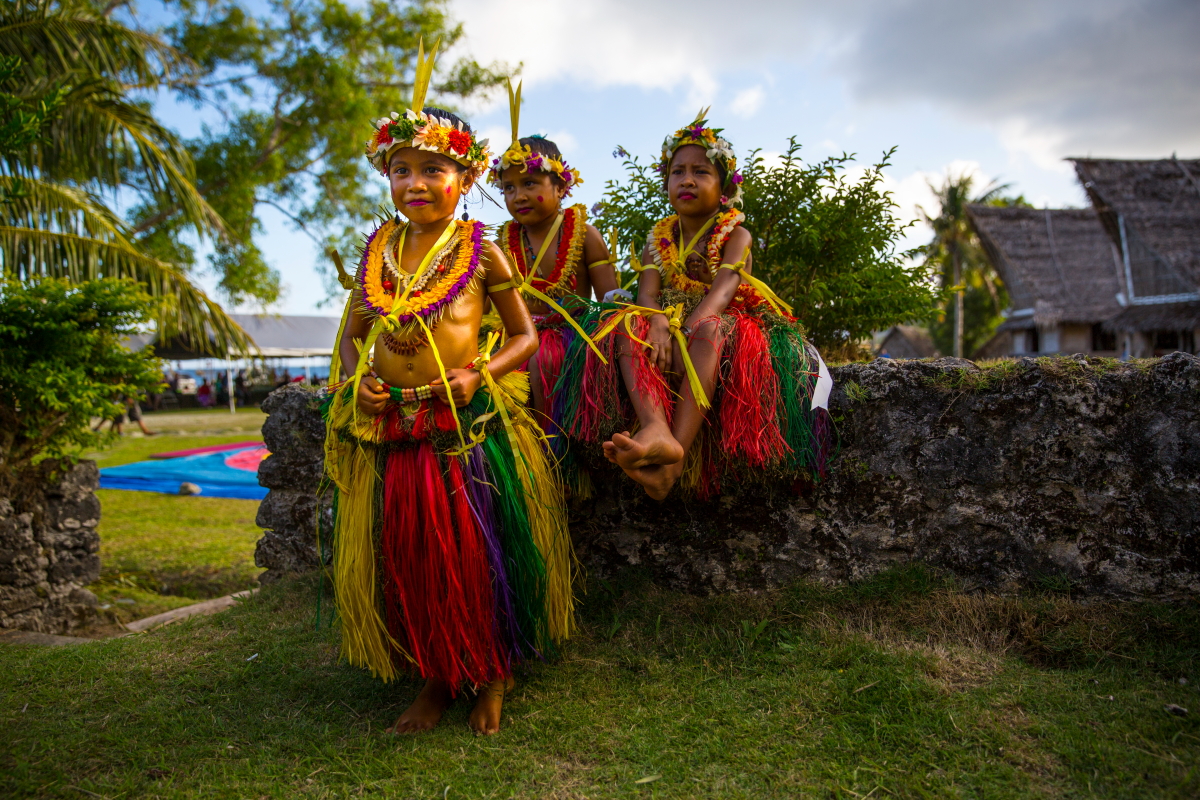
559 259
715 375
451 558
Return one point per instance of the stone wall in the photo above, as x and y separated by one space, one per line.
49 549
295 435
1067 472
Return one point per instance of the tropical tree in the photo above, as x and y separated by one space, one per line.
957 258
826 241
62 364
99 148
296 85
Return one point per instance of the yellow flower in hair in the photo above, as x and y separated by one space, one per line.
432 137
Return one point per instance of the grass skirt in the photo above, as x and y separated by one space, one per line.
450 565
761 426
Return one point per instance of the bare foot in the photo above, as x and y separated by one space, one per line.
650 446
426 710
485 717
657 479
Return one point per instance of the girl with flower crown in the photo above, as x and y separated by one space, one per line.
451 558
559 258
718 379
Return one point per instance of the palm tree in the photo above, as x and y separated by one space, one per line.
100 145
955 249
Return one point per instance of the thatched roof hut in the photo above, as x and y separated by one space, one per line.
1151 212
1058 265
907 341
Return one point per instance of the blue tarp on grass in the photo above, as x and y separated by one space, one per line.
232 473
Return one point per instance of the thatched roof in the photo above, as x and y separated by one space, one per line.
1157 317
1058 263
999 346
908 341
1160 204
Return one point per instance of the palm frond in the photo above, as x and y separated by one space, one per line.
101 138
74 236
36 203
56 39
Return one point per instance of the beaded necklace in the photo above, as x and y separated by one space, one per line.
666 250
450 274
564 275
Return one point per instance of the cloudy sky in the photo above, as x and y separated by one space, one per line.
1006 90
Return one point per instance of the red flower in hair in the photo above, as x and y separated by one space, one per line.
383 135
460 141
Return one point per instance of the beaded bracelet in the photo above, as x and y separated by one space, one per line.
406 396
411 395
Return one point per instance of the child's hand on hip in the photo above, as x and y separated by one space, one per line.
462 383
371 396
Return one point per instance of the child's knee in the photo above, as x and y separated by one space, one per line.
707 331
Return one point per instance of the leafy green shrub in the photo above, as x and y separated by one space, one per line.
62 363
826 241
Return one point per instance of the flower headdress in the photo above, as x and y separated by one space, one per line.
718 150
426 131
523 154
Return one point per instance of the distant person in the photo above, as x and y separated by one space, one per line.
131 411
204 394
239 388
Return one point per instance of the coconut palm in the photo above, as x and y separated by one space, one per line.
99 144
955 249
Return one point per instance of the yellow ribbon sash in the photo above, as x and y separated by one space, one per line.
674 315
400 307
522 284
776 302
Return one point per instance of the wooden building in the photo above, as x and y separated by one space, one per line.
1061 272
1150 211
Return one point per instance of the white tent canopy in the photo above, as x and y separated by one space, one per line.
280 336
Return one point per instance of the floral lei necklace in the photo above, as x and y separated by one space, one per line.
666 250
563 277
450 275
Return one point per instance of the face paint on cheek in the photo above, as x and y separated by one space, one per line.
540 200
447 190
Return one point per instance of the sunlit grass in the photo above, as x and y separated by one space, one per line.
163 551
876 690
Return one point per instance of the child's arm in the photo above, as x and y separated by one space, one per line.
659 336
601 270
522 336
371 396
727 282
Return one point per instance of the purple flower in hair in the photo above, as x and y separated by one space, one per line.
737 178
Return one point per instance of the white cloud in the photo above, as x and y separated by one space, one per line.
747 102
912 193
1111 77
1118 77
565 141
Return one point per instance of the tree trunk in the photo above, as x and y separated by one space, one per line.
958 305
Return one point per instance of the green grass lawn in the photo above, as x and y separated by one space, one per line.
160 551
899 687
